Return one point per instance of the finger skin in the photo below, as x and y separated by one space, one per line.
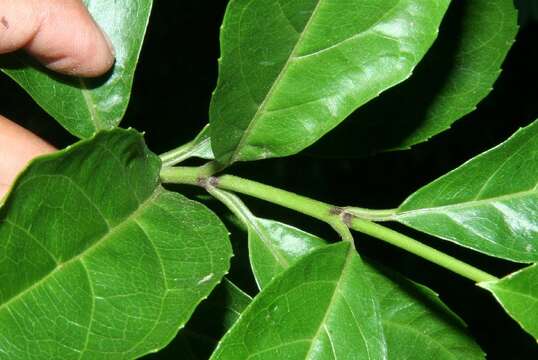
17 147
59 33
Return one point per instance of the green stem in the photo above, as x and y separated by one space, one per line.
189 175
371 214
424 251
340 219
314 208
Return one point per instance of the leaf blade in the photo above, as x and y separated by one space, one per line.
456 74
280 100
107 259
518 295
407 311
481 205
313 328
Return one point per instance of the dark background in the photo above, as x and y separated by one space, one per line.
174 81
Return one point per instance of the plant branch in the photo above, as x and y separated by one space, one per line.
371 214
339 218
424 251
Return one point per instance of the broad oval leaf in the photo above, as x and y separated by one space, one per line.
85 106
284 323
97 260
292 70
454 76
489 204
518 294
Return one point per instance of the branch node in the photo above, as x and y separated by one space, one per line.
213 181
202 181
336 211
347 218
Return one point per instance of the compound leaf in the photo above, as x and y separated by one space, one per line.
84 106
489 204
293 70
97 260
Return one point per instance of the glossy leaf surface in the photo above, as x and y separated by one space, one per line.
489 204
283 321
97 260
84 106
454 76
274 246
518 294
291 71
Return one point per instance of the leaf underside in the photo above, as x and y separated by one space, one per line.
98 261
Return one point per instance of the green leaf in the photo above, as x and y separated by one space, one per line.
99 261
211 320
518 294
274 246
454 76
416 324
291 71
84 106
489 204
283 321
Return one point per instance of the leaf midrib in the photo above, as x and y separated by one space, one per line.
112 231
465 204
90 104
345 270
263 105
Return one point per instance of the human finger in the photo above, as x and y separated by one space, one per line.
61 34
17 147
